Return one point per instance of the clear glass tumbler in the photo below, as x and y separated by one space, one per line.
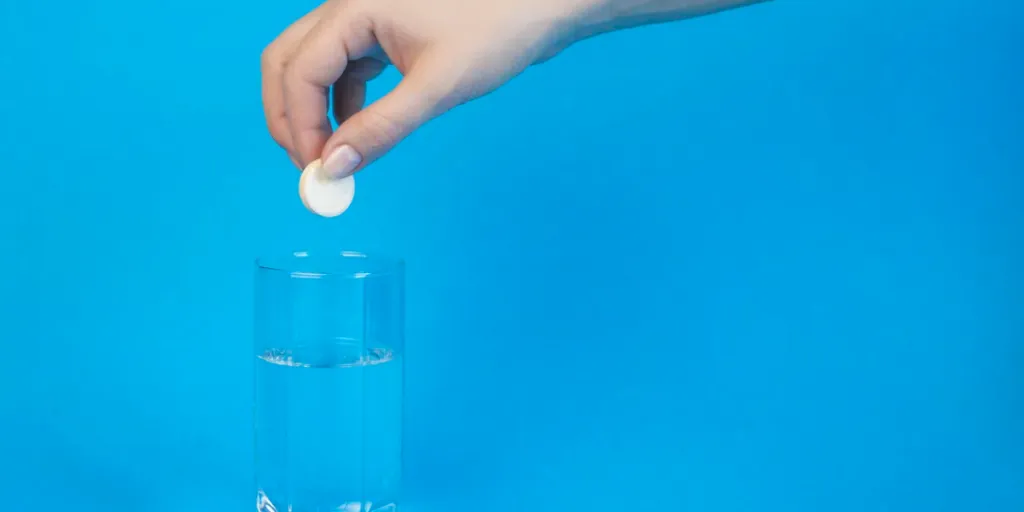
329 376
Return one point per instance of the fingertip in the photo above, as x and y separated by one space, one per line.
309 142
295 161
342 162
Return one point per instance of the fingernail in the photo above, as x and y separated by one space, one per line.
342 162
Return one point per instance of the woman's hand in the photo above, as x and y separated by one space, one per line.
448 51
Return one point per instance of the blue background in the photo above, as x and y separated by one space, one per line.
765 260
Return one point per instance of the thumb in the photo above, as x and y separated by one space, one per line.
370 133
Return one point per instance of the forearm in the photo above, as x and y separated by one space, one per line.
599 16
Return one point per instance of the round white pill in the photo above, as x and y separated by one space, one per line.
322 195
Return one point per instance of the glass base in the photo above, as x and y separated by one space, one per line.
263 504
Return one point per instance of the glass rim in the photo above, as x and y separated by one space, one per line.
377 265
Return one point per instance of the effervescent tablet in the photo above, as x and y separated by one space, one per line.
324 195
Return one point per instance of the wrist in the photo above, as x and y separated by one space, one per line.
593 17
586 18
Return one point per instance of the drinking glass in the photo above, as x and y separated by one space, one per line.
329 368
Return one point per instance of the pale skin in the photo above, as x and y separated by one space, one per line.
449 52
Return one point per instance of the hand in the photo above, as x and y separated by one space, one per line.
448 51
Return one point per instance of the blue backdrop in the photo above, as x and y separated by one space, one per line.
768 260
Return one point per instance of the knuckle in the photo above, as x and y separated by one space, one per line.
290 69
286 66
279 133
270 59
381 128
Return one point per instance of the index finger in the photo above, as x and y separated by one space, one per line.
318 62
272 62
